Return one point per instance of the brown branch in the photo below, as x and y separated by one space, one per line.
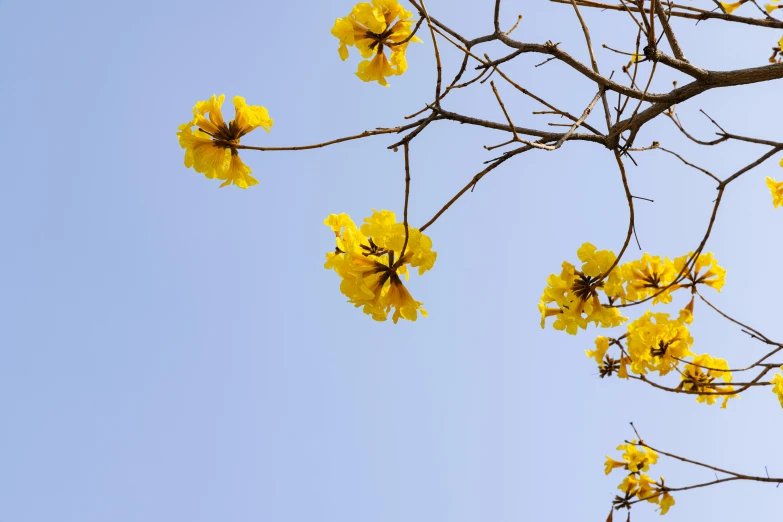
593 64
743 325
407 194
699 14
503 107
543 102
631 219
753 165
690 164
573 128
678 123
701 464
667 29
365 134
547 136
473 183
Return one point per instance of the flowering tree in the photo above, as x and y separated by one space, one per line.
656 349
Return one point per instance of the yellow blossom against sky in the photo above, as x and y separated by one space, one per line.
373 28
655 343
777 389
776 189
211 148
575 292
637 485
700 376
370 260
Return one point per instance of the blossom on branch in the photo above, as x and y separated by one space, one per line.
371 28
211 148
637 458
730 8
576 293
666 502
370 260
647 277
776 189
777 389
638 486
573 296
714 276
655 343
700 374
601 347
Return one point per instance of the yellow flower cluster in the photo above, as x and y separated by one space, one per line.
776 188
777 389
650 276
655 343
576 293
371 28
647 277
370 260
700 374
636 459
211 148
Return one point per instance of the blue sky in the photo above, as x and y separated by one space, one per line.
175 351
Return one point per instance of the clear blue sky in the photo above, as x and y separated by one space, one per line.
171 351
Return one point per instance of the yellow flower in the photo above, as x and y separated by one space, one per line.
594 261
623 371
647 277
546 312
611 464
700 376
601 346
211 148
686 314
639 458
575 292
371 28
666 502
570 321
655 343
776 188
777 389
367 260
730 8
770 7
641 486
714 276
